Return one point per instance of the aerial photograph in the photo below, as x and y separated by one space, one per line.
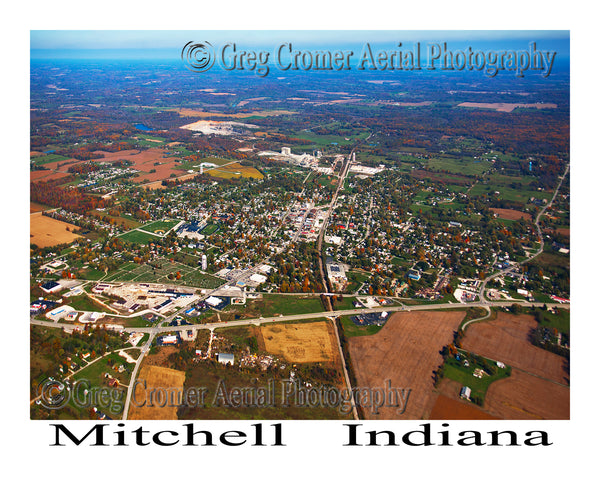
299 225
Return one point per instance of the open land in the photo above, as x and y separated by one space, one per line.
538 386
406 351
156 378
46 232
302 342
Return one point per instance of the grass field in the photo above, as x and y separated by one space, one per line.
135 236
455 370
463 166
273 304
159 226
352 330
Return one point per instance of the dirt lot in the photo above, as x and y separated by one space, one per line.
301 342
506 339
538 386
158 379
509 214
407 352
46 232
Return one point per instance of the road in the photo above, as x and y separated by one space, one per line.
540 235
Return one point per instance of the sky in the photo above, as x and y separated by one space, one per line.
166 43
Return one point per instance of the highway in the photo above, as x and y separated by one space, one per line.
307 316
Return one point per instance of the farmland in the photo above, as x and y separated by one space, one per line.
235 170
539 384
301 342
46 232
406 351
158 407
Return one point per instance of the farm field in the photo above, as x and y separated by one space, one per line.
447 408
45 175
47 232
158 378
144 161
235 170
301 342
509 214
506 339
526 397
406 351
539 384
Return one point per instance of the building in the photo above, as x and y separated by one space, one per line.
51 287
225 358
414 274
465 392
204 262
168 340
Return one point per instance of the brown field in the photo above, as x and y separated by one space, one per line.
45 175
47 232
509 214
538 387
188 112
37 207
144 161
506 339
405 351
506 107
156 378
526 397
64 164
446 408
301 342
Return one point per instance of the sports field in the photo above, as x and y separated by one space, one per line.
164 271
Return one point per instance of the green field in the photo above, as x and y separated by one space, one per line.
135 236
51 157
274 304
352 330
210 229
462 166
159 226
455 370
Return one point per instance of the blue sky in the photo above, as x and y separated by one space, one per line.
161 43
